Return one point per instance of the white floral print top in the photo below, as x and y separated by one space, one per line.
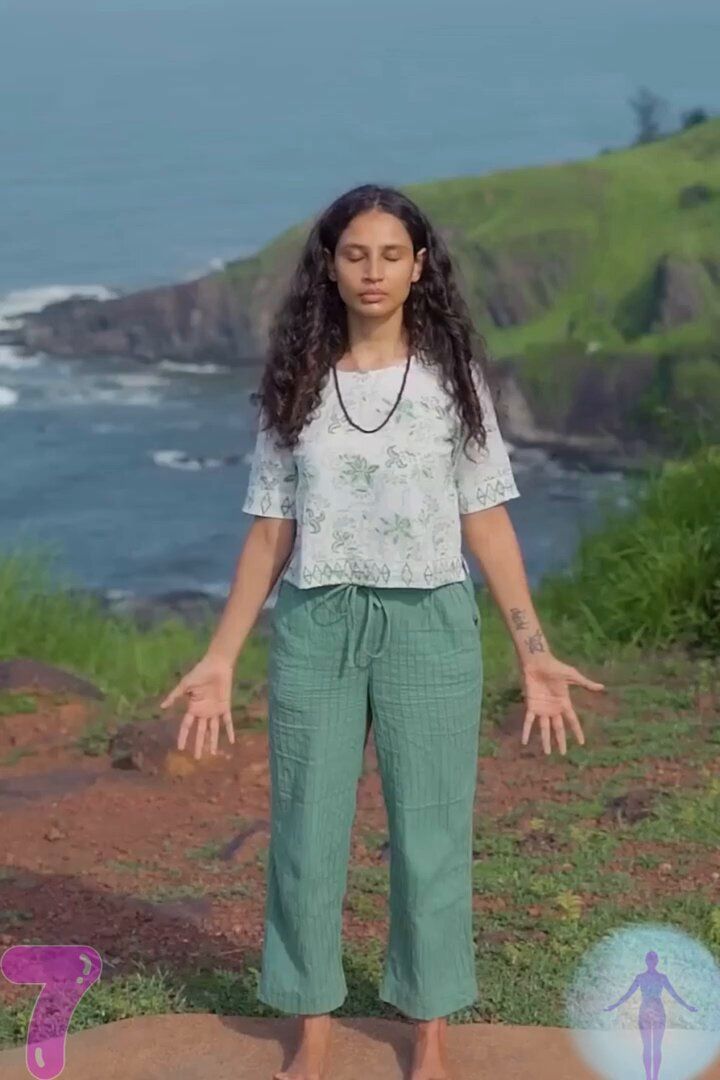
383 508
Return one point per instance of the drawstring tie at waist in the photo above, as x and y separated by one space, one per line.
347 594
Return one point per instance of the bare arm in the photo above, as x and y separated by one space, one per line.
265 552
671 990
490 536
628 993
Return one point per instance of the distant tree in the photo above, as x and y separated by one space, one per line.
650 110
694 116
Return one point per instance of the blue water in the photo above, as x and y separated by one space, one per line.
101 468
145 146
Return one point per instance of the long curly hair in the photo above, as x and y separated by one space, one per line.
308 333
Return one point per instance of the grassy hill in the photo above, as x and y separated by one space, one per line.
620 251
596 251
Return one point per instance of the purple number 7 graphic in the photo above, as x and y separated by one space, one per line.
66 973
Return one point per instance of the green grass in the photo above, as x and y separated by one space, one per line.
135 668
649 580
609 219
651 577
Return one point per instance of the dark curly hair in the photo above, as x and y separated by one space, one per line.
308 333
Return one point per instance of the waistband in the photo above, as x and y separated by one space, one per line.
347 594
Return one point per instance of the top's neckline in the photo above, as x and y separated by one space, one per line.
377 371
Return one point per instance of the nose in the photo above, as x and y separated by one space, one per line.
374 269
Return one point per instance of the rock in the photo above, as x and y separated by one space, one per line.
694 195
26 674
151 747
209 319
192 909
196 1045
633 805
680 293
592 430
38 786
517 285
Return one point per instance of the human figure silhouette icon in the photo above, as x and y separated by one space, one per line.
651 1017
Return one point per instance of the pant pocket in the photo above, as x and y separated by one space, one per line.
470 590
288 637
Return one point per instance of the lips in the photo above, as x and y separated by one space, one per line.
372 295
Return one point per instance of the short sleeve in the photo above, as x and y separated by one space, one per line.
273 478
483 478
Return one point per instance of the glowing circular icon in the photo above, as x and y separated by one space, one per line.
645 1001
66 973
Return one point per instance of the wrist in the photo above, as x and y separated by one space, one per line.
221 654
530 660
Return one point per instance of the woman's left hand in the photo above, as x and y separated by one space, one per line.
547 699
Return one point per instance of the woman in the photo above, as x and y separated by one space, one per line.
363 488
651 1014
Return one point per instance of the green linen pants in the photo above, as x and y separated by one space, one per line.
413 656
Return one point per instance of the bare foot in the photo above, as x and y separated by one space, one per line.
309 1060
430 1051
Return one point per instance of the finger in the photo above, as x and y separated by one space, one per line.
214 728
227 719
527 727
579 679
574 724
545 733
172 696
557 723
200 736
185 726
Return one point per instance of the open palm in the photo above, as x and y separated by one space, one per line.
208 687
547 700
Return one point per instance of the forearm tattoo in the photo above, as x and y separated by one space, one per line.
535 642
519 620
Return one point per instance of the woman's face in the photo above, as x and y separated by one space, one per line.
375 254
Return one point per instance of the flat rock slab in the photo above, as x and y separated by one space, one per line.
200 1046
45 785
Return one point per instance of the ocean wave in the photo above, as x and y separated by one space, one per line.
179 459
102 428
20 302
14 361
135 379
99 395
194 369
8 397
212 266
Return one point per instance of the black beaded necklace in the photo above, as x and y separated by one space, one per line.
371 431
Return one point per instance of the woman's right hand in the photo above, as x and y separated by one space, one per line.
208 687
